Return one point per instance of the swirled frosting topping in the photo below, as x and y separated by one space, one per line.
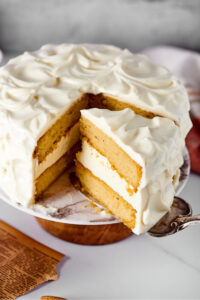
36 87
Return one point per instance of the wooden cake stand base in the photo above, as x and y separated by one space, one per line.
86 234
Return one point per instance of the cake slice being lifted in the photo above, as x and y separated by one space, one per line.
129 164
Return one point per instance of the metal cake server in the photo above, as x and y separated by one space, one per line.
178 218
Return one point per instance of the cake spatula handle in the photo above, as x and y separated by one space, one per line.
181 222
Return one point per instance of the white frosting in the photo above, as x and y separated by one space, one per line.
155 144
37 88
65 143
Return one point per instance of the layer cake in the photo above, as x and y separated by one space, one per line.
42 94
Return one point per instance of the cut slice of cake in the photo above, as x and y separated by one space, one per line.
129 164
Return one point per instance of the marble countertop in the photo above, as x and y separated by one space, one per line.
139 267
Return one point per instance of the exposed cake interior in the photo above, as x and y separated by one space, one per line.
55 170
56 148
105 196
51 138
99 178
103 100
105 145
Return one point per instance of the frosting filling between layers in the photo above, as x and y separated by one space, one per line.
99 165
66 142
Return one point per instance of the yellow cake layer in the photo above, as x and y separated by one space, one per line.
48 141
105 196
111 103
67 141
52 173
120 160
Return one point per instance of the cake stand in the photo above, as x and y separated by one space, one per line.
67 214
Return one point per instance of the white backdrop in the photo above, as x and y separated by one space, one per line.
134 24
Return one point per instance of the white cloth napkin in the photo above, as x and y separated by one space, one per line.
185 65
